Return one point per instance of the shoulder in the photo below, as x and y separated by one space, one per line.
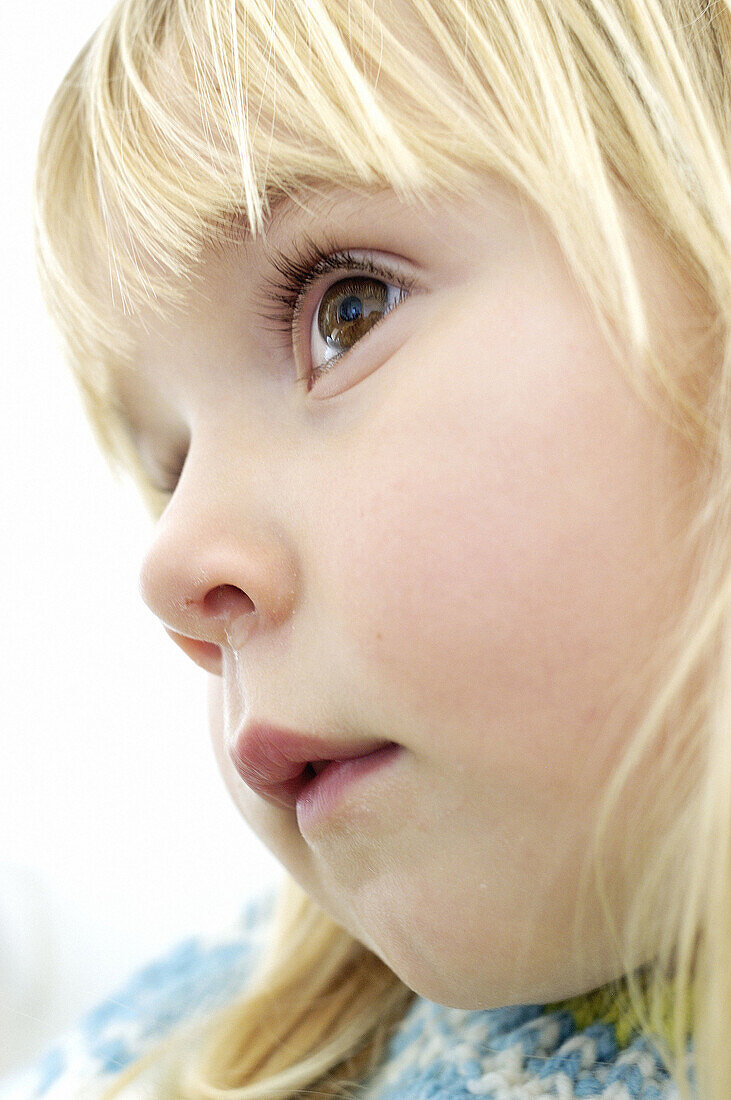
197 975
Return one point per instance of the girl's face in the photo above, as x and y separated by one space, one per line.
463 538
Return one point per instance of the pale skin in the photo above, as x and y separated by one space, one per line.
464 539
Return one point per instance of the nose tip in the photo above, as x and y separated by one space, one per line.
215 581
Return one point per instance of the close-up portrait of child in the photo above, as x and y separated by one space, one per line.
409 322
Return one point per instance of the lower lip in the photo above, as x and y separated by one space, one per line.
322 795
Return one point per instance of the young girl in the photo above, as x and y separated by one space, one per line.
410 319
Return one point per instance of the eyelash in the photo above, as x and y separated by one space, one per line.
299 270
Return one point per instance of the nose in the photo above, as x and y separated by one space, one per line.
213 580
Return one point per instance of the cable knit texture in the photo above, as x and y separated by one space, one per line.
583 1047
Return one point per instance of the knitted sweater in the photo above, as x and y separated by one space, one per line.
588 1046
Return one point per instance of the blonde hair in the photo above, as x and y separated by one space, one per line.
182 122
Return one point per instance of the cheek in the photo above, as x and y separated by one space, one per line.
506 562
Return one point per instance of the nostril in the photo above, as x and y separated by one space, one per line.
227 600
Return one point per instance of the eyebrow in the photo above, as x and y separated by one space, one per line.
288 207
282 208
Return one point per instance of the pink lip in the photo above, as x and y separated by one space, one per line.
320 795
273 762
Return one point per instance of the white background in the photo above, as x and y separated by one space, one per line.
117 836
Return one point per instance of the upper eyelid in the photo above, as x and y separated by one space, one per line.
376 270
298 265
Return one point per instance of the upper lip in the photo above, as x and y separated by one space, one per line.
272 760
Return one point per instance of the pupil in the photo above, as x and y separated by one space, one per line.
350 308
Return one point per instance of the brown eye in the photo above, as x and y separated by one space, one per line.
349 309
344 312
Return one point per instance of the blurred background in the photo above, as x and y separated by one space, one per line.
117 836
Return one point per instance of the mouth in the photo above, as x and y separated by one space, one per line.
282 765
317 766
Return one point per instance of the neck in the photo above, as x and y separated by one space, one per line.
634 1004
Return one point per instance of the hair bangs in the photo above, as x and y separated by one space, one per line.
180 120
